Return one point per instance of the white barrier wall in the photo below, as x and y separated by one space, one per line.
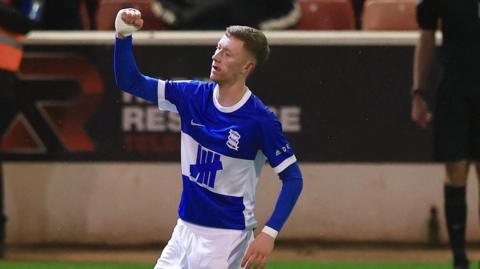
135 203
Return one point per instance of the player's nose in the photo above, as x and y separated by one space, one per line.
216 56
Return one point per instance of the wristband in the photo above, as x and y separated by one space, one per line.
271 232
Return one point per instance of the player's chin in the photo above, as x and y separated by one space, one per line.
214 77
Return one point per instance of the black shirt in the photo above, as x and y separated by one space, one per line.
460 24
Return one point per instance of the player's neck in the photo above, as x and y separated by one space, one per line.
230 94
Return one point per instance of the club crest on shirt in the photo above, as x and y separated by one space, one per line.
233 139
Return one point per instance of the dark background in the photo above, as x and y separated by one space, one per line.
355 101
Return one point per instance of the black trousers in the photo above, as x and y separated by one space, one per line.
7 111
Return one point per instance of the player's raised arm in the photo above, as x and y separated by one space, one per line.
127 75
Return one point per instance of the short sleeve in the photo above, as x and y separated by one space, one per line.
428 14
275 146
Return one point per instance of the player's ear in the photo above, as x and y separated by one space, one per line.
249 67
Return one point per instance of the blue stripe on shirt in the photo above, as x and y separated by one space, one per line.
201 206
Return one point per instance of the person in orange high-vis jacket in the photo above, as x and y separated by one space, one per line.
13 27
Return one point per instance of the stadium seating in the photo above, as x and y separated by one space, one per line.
326 15
389 15
107 11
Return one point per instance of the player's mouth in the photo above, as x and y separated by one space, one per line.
215 68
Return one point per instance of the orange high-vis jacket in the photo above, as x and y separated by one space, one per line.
10 49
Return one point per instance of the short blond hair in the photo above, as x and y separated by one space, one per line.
254 41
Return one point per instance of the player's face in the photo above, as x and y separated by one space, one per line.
231 61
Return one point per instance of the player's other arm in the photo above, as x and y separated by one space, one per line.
127 75
259 250
292 184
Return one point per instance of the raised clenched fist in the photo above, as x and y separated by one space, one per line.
128 20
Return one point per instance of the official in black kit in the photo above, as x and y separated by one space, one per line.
456 118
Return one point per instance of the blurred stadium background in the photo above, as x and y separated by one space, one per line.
91 175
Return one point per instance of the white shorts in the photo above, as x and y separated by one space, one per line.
198 247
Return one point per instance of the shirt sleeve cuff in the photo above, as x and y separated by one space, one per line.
286 163
163 103
270 231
